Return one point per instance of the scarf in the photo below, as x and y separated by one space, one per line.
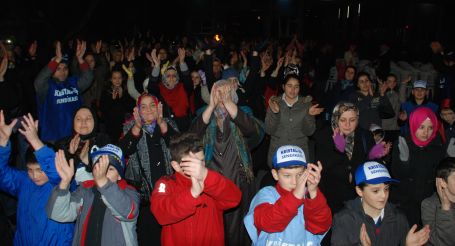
339 109
241 143
176 98
417 117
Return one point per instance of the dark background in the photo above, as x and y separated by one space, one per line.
409 23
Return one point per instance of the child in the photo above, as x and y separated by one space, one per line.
438 210
370 219
105 209
32 188
190 204
278 214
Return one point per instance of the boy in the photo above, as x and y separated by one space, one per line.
190 204
32 188
438 210
105 209
295 211
370 219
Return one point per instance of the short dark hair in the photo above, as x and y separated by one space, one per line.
363 185
184 143
289 77
445 168
30 157
392 75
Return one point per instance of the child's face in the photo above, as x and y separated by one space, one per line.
448 116
287 177
36 174
112 174
425 130
451 187
374 196
176 165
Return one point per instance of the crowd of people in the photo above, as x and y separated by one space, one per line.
197 141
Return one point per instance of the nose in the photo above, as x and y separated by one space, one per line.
33 174
294 180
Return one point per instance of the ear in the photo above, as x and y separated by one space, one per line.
275 174
176 166
359 191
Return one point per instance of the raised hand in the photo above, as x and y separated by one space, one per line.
196 170
338 139
182 53
407 80
156 60
274 104
131 54
214 97
58 52
80 50
128 70
3 66
370 90
442 190
74 144
382 87
300 189
418 238
137 122
32 49
65 171
98 46
364 238
100 170
314 178
314 110
5 130
30 131
84 152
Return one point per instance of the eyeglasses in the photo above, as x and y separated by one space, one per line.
171 76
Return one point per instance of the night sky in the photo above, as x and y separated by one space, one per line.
383 20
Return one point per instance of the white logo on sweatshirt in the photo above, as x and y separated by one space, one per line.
162 188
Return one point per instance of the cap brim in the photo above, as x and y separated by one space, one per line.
419 86
381 180
289 164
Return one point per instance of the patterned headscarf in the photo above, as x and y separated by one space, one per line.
416 119
166 81
339 109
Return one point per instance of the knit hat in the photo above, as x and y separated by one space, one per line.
420 84
372 172
115 155
288 156
229 73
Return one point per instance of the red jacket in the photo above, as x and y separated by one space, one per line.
193 221
275 217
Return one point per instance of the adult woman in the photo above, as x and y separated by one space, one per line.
372 107
415 158
342 148
145 144
85 136
115 103
290 119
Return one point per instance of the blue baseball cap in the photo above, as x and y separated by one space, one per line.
372 172
420 84
288 156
